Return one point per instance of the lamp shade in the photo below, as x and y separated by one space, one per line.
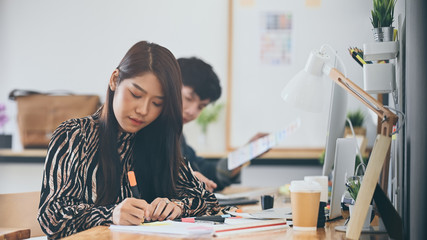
302 92
306 89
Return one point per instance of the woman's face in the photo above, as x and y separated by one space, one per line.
137 101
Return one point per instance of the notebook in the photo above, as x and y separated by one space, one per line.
243 198
272 213
230 226
247 225
167 227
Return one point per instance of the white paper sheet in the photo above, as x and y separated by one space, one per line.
256 148
167 227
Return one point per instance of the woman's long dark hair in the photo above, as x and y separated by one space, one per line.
157 155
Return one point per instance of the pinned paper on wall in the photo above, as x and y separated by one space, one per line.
276 38
313 3
256 148
247 3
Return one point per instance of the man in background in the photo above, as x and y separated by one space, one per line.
200 88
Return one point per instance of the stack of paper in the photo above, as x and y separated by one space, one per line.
232 225
167 227
272 213
247 225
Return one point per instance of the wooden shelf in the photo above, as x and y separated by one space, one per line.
275 154
23 153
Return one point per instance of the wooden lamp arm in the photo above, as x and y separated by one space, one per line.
379 152
389 119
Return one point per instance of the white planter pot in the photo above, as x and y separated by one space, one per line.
367 222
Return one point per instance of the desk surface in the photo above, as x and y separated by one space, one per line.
329 232
103 232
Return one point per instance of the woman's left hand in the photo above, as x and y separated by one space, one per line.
164 209
210 185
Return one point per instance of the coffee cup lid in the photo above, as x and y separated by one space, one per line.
323 181
305 186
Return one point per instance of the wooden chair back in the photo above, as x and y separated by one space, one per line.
19 210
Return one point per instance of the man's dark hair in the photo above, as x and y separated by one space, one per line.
200 76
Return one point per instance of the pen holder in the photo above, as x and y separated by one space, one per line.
267 202
380 51
321 218
379 78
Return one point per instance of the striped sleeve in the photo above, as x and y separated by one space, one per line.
65 205
196 200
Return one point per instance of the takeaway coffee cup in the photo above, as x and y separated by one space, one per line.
305 198
323 181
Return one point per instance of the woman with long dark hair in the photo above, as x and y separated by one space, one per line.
85 181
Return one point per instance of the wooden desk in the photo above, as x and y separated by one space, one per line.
103 232
14 233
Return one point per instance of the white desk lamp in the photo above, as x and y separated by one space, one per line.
303 87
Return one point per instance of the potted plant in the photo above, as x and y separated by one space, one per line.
207 116
382 19
5 139
353 184
357 118
322 157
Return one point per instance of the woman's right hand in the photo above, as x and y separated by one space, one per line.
132 211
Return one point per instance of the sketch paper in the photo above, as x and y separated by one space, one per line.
167 227
256 148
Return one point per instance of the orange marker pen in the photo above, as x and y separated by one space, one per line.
133 186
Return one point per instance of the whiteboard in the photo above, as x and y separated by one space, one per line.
270 42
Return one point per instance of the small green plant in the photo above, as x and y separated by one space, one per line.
322 158
383 13
356 118
353 186
208 115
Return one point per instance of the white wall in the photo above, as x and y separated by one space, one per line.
27 177
276 176
75 44
20 177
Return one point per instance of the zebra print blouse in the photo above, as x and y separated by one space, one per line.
69 181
